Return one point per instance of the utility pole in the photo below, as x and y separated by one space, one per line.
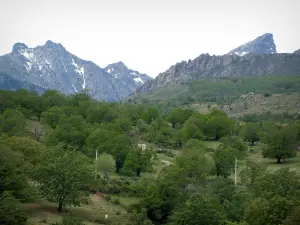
96 164
235 170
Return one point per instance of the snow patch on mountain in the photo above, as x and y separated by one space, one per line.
138 80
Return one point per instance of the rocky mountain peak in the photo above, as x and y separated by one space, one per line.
121 72
51 66
262 45
19 46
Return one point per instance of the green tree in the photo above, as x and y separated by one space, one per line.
139 160
283 182
12 122
257 212
253 170
71 131
282 144
224 160
65 177
30 148
106 163
250 132
234 142
101 140
293 218
11 211
224 189
217 126
195 163
191 131
179 116
13 175
161 195
124 123
235 208
53 116
201 210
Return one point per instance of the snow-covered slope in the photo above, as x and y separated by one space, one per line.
131 78
51 66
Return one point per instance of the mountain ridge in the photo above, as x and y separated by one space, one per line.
51 66
231 64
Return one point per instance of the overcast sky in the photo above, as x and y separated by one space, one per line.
148 35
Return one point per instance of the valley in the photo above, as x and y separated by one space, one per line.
214 140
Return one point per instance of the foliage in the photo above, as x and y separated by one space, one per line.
195 163
11 212
234 142
218 126
139 160
250 132
65 177
106 163
30 148
13 177
253 170
69 219
200 209
12 122
224 161
282 144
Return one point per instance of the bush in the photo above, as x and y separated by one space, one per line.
116 201
107 198
68 219
11 211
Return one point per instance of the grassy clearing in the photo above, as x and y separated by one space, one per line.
43 212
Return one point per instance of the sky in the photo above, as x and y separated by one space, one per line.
147 35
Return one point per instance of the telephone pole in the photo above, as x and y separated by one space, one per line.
235 170
96 164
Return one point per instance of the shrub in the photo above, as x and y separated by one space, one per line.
107 198
116 201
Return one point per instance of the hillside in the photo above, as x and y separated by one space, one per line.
256 58
230 94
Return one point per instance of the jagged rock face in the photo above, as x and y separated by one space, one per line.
256 58
51 66
263 44
131 78
227 65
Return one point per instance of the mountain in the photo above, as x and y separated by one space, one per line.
51 66
128 77
297 52
251 64
263 44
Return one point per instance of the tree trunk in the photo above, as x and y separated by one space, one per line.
138 172
105 174
60 205
278 160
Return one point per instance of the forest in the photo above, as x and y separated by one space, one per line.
150 166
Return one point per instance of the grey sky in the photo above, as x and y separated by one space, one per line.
148 36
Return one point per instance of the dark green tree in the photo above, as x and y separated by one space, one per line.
65 177
250 132
201 210
12 122
282 144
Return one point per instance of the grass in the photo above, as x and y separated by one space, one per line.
43 212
